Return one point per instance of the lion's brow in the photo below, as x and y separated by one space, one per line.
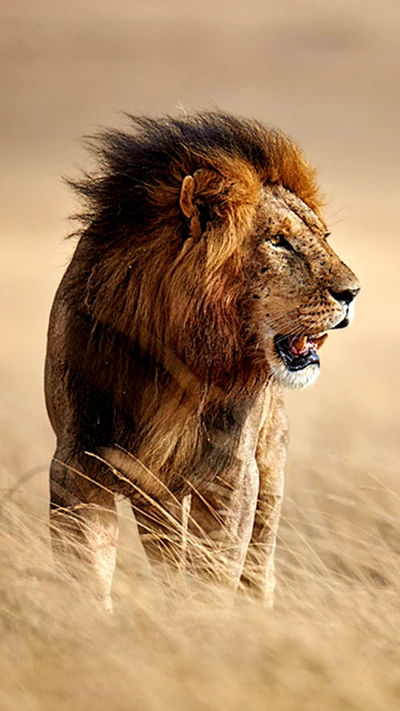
300 209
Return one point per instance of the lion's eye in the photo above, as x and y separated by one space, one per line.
279 241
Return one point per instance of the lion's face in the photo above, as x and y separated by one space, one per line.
265 275
299 287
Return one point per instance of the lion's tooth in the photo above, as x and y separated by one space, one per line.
300 343
318 342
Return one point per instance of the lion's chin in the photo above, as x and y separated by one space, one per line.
295 379
295 361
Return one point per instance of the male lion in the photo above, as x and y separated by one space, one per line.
202 284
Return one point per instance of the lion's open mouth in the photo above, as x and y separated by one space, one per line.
298 352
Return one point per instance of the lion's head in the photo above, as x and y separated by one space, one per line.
206 241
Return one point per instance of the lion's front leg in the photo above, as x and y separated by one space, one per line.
220 526
163 528
84 527
259 574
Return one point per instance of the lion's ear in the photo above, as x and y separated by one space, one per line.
192 201
188 206
186 198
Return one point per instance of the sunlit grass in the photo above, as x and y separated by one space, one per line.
331 642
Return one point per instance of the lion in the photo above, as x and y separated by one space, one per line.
203 284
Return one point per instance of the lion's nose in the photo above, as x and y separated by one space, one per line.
346 296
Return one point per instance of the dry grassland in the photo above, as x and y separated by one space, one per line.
328 74
331 643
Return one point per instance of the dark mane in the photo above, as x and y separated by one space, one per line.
160 152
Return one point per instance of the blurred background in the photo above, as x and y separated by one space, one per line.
326 73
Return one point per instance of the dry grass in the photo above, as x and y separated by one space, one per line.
331 643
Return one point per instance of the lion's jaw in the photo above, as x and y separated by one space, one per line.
294 360
288 374
294 379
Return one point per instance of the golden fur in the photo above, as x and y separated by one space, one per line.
202 244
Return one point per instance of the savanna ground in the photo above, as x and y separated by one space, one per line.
327 74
